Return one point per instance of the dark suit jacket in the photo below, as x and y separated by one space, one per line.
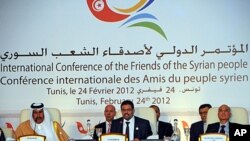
142 128
101 125
196 129
164 129
2 137
214 128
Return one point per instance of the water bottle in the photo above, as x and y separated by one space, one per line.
176 136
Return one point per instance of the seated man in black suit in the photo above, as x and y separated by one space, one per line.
134 127
198 128
109 114
164 128
224 126
2 137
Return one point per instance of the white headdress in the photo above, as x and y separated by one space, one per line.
46 127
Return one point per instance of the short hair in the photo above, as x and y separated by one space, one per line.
127 102
152 106
204 106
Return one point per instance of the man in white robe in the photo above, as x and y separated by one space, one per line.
41 124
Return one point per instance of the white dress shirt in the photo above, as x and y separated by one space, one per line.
108 126
131 127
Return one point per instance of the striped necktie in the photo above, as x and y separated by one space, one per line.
109 127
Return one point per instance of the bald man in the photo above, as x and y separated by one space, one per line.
224 126
109 113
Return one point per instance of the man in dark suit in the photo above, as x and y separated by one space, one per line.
198 128
224 126
2 137
134 127
109 114
164 128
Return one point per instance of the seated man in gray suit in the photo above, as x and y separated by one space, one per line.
109 114
134 127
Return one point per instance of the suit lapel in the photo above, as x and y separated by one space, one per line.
217 127
104 128
201 127
160 126
120 128
136 128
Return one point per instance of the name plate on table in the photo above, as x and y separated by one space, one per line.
32 138
113 137
213 137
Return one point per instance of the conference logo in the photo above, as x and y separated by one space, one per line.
130 17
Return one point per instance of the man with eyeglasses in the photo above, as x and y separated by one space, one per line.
199 127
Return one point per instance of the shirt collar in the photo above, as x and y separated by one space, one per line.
226 124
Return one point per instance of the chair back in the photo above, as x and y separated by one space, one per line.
145 113
55 115
8 133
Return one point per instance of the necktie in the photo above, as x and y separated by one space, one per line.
222 130
204 127
109 127
127 129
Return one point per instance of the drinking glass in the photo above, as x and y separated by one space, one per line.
187 133
98 132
